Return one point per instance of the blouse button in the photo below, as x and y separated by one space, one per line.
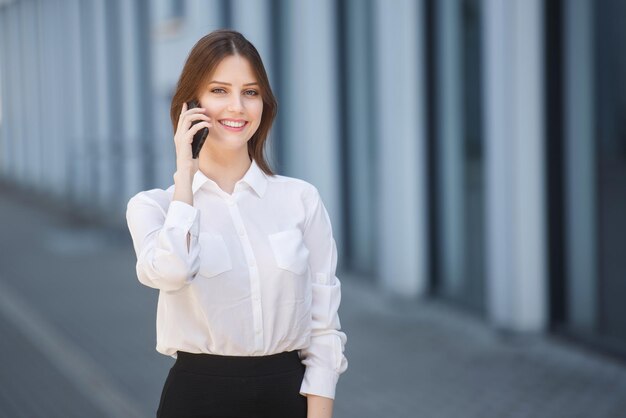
242 232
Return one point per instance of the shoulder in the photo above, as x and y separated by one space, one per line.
296 188
292 184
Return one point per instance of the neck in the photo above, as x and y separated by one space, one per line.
223 168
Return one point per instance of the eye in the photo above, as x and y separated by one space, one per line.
214 90
254 92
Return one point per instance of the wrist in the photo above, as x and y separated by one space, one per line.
183 173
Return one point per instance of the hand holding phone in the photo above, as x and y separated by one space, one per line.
200 136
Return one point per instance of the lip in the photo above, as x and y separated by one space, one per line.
230 128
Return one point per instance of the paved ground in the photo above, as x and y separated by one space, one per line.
78 332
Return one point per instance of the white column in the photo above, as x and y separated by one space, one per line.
100 106
517 281
253 19
4 93
29 93
51 146
87 153
16 98
131 100
401 147
11 99
171 49
310 101
4 132
66 94
451 145
580 175
203 16
83 149
116 134
75 108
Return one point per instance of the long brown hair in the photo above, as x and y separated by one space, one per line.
203 59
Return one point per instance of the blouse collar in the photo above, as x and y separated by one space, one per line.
254 177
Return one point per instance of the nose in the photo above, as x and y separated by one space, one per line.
236 104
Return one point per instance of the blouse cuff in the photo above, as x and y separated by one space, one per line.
182 215
318 381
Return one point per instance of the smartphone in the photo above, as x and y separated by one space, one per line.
200 136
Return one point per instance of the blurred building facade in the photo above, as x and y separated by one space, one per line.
469 150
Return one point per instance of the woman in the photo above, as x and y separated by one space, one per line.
244 259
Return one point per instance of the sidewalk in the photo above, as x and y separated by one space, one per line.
78 336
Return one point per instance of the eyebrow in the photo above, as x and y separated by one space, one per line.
228 84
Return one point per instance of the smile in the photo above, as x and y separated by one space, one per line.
233 125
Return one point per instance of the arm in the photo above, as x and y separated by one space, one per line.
319 407
182 190
323 357
165 243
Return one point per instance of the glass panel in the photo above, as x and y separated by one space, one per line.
455 109
473 154
357 120
610 78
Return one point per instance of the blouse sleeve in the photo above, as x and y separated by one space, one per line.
160 242
323 358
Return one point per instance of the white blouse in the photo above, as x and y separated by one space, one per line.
258 277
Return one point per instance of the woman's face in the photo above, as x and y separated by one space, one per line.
232 97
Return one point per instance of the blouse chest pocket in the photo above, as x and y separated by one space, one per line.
214 255
289 250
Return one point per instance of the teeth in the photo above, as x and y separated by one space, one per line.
232 124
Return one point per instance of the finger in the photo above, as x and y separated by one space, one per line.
196 116
183 108
184 112
189 118
195 128
195 111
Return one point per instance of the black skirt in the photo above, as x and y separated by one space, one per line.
214 386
